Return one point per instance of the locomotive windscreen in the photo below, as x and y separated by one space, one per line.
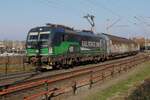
38 36
44 35
33 36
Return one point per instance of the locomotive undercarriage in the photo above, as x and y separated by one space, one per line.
67 61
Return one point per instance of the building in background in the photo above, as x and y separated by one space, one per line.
2 47
10 46
144 43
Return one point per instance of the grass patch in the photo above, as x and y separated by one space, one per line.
122 86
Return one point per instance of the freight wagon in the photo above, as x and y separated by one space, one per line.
119 46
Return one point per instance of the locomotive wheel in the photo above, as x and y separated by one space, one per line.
65 66
57 65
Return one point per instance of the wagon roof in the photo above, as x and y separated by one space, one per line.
118 39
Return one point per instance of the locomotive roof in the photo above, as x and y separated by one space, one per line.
118 39
38 28
71 30
58 26
62 28
86 33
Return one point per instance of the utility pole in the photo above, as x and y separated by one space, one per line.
90 19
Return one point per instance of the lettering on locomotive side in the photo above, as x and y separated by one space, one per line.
90 44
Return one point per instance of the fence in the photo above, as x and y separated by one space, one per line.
13 64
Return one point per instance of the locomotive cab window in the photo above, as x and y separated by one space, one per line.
44 36
33 36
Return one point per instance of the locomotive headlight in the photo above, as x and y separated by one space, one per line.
26 52
50 50
28 46
37 51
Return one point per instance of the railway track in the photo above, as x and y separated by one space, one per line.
15 75
16 78
98 70
12 79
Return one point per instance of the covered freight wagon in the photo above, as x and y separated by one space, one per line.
119 46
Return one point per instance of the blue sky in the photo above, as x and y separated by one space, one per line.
18 16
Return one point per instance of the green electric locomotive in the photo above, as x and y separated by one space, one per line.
57 46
